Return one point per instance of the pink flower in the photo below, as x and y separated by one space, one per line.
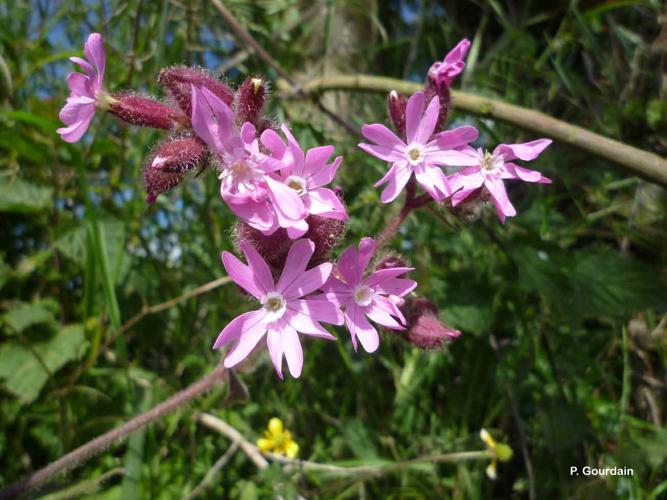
374 297
423 153
443 73
87 92
490 170
284 310
244 169
306 175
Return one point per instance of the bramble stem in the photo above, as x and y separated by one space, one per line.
642 163
213 422
101 443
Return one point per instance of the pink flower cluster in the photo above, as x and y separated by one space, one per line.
290 219
427 147
302 298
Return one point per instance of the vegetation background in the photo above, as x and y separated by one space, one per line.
563 355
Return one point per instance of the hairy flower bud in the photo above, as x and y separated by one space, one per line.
323 232
250 98
391 262
441 89
396 104
425 330
178 155
326 234
273 248
146 112
167 166
178 81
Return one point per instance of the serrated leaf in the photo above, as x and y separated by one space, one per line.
24 370
23 315
17 195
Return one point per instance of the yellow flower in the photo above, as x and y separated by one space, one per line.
278 440
500 451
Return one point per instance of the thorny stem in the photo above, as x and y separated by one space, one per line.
101 443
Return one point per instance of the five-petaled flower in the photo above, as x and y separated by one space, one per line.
491 169
286 307
305 174
499 452
278 440
423 154
86 90
374 296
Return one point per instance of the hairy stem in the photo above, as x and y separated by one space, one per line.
642 163
101 443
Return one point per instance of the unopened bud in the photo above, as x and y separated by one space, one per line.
396 104
178 81
250 99
391 262
158 181
273 248
425 330
326 234
146 112
167 166
178 155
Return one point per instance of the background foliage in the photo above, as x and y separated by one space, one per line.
562 352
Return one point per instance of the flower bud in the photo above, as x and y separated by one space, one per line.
326 234
273 248
158 181
146 112
391 262
168 165
441 89
425 330
178 155
250 98
396 104
178 82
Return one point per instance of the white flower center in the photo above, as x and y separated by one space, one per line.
415 154
297 183
274 305
491 163
363 295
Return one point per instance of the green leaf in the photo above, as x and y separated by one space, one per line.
25 369
17 195
23 315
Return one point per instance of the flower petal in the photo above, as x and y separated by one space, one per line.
286 202
246 343
433 180
295 264
428 121
396 178
413 114
326 203
308 281
382 136
504 207
361 329
293 351
237 326
303 323
275 345
459 136
318 308
525 151
242 275
381 317
258 267
94 52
